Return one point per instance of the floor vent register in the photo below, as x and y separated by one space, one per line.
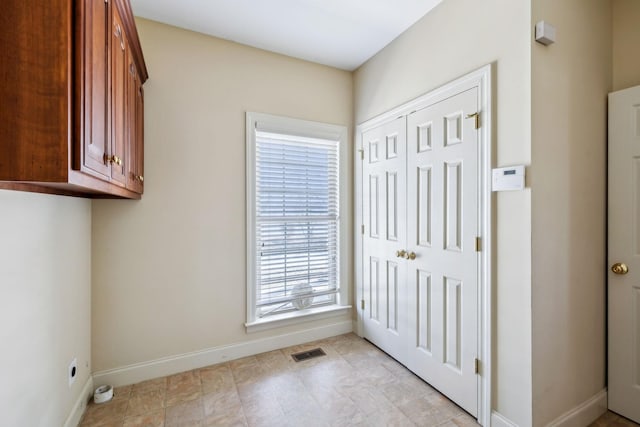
310 354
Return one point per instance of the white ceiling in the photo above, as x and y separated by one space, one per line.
339 33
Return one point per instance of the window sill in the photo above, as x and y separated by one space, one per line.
295 317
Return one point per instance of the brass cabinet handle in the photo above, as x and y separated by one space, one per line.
115 160
410 255
141 178
620 268
401 253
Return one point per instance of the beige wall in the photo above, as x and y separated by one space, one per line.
169 270
626 39
45 285
456 38
570 82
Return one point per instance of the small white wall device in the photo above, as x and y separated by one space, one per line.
545 33
508 179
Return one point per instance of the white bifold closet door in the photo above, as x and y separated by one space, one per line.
420 206
385 204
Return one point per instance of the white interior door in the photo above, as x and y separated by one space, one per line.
420 197
443 225
384 212
624 253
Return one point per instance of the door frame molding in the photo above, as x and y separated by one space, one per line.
482 79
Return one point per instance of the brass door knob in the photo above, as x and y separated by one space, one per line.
401 253
620 268
410 255
141 178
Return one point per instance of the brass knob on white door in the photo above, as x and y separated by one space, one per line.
620 268
401 253
410 255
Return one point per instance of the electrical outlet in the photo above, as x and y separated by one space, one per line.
72 373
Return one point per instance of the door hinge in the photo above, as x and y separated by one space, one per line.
362 304
476 366
475 116
478 244
362 228
361 154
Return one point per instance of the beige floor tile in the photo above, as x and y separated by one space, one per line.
295 402
151 419
102 424
243 363
611 419
344 414
274 358
110 413
220 403
220 385
370 400
223 410
465 420
226 420
143 403
308 418
185 414
390 418
183 393
263 411
183 379
122 392
250 374
158 384
217 377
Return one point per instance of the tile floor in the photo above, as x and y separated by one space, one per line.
355 384
611 419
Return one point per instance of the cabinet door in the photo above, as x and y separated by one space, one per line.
133 182
140 134
94 89
118 100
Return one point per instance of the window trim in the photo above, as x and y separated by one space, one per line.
286 125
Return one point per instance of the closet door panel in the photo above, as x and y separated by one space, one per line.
442 225
384 207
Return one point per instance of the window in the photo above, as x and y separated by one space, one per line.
293 218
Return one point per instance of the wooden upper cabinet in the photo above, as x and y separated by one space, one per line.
134 127
36 73
119 107
93 95
70 114
139 145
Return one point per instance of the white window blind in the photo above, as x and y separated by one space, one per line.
297 222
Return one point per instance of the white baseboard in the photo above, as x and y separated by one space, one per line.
499 420
185 362
81 404
583 414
